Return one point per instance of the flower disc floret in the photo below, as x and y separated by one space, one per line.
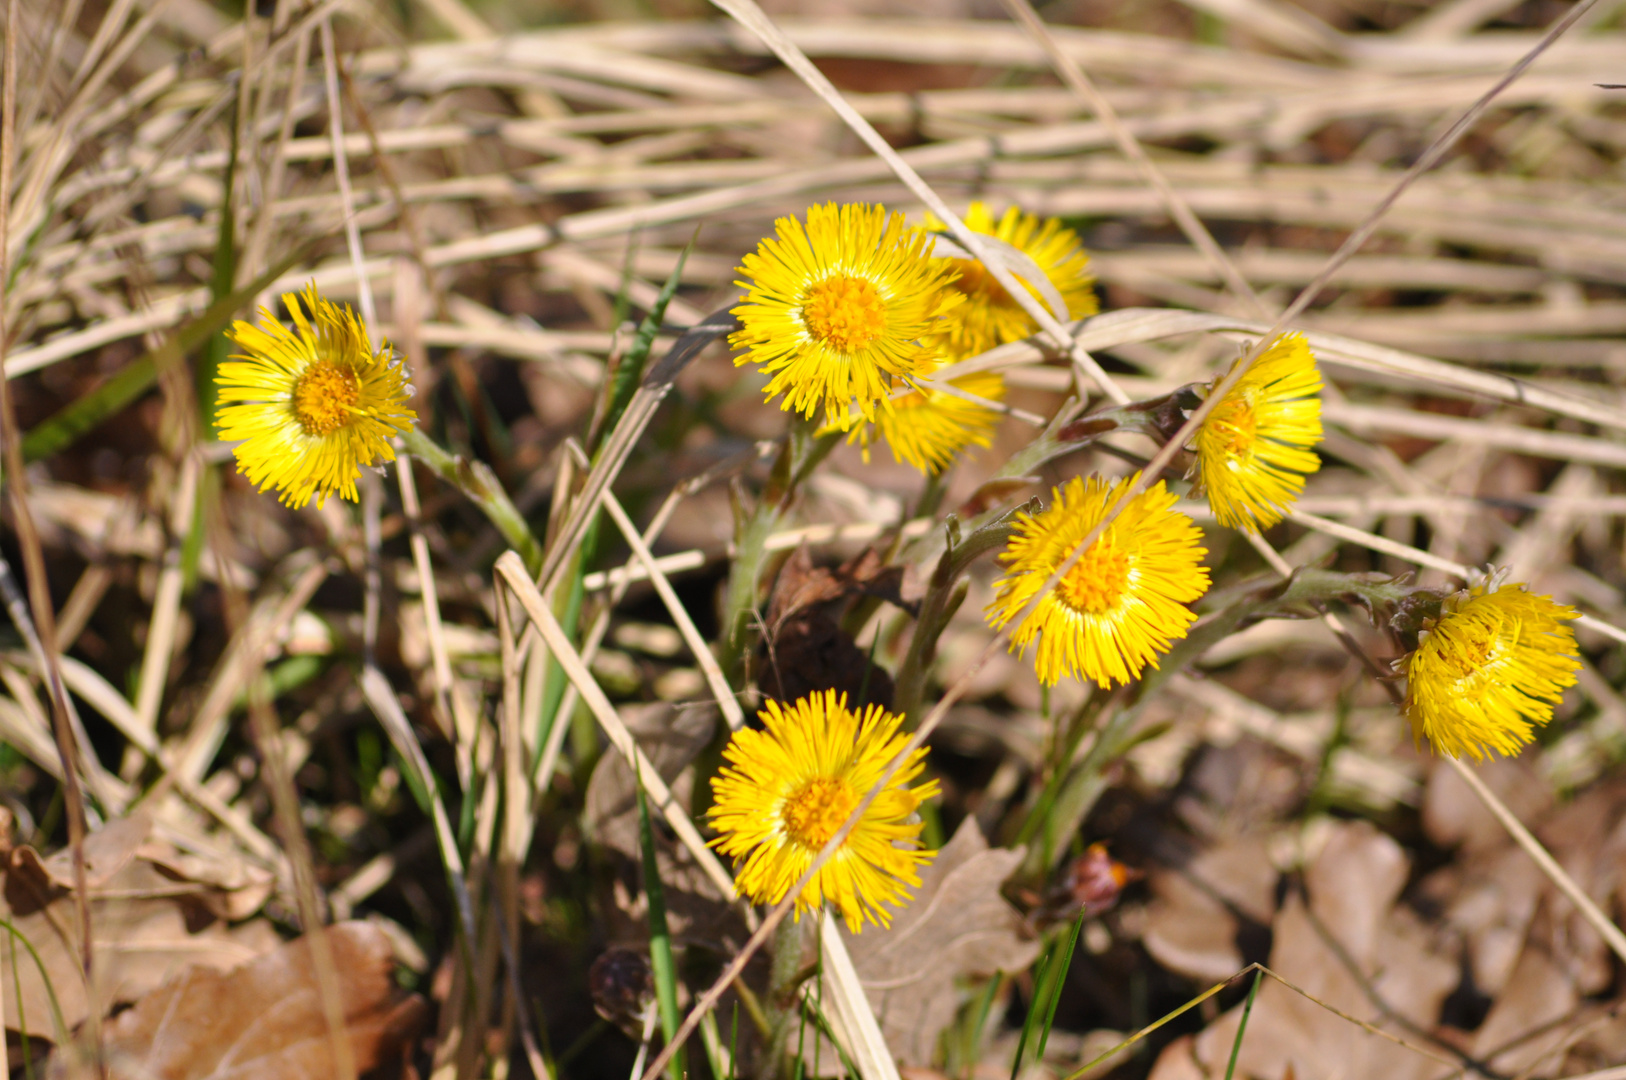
313 405
787 789
1123 602
1254 448
991 316
840 309
1489 670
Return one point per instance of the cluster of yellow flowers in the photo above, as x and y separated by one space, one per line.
852 312
852 307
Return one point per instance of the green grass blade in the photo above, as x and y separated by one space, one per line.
661 964
1057 983
1034 1007
973 1036
15 935
65 428
629 373
1247 1010
217 348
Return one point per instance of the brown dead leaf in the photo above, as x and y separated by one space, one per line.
671 738
1191 925
1351 919
805 650
148 923
1453 815
1501 904
1189 931
107 851
1522 1029
957 924
264 1020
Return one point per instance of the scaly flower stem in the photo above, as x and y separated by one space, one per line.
944 595
784 1005
476 480
803 449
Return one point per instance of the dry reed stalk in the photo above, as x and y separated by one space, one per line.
513 571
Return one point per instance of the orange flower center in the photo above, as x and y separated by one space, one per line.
978 284
1469 652
844 313
814 813
1237 426
325 397
1097 581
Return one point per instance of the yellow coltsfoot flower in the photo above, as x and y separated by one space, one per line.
312 405
840 309
1253 450
1123 602
990 315
1489 669
787 789
928 428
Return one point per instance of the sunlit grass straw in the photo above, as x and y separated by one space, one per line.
1254 450
1123 602
787 789
841 308
752 17
312 405
1489 669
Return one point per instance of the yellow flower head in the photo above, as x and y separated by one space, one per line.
928 428
990 315
1489 669
840 308
1123 602
1253 450
311 405
786 790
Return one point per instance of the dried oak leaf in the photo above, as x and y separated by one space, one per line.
1527 946
956 924
805 650
148 921
1351 918
264 1020
1192 921
671 738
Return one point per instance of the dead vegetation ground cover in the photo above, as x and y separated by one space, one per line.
278 719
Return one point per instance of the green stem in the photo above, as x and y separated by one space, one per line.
783 1001
476 480
662 965
944 595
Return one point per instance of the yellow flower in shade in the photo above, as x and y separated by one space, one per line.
990 316
786 790
1253 450
311 405
840 308
928 428
1123 602
1488 670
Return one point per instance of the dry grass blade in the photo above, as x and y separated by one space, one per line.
1549 866
513 572
721 692
1189 224
509 198
388 710
752 17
